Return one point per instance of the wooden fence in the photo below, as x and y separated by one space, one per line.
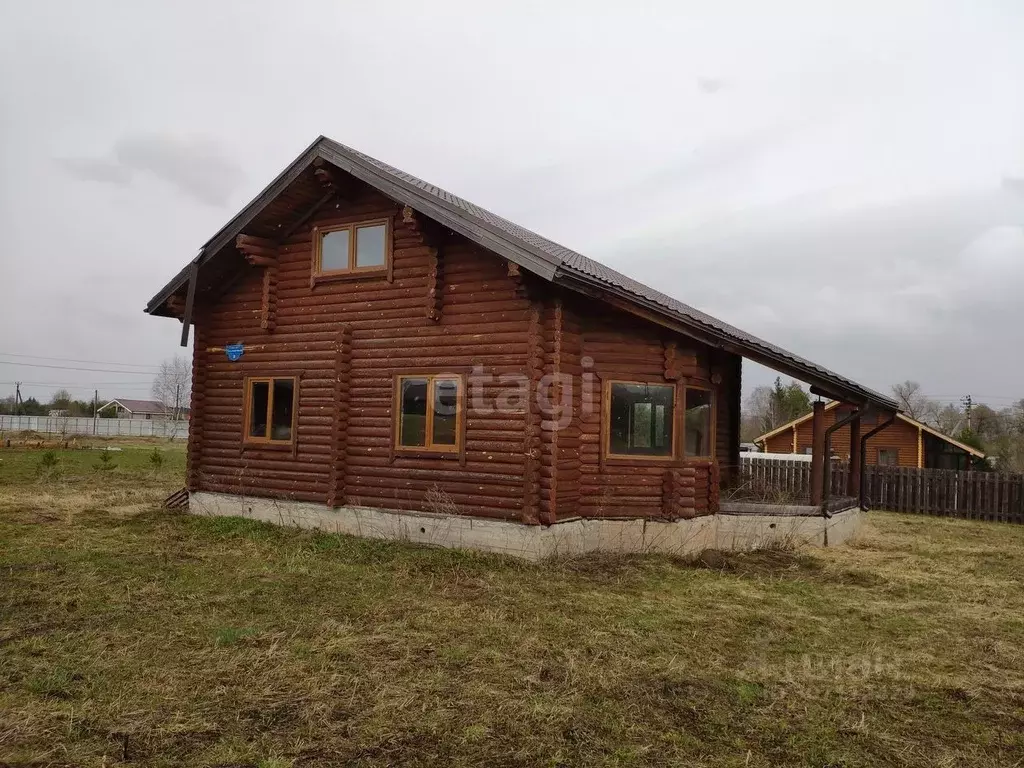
997 496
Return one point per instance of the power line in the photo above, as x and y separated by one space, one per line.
1008 398
74 368
80 385
73 360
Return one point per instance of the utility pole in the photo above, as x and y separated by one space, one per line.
177 398
95 413
17 397
966 400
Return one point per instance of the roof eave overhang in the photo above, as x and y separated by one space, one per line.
838 389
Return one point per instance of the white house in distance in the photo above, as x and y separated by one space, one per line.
142 409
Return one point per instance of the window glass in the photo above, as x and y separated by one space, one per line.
258 399
334 251
446 399
888 457
659 424
641 426
413 426
370 242
641 419
282 410
698 422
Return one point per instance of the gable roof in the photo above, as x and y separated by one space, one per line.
545 258
137 406
903 417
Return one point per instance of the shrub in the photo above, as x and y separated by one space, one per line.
106 461
156 458
49 462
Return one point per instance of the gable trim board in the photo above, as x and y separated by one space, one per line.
544 258
920 426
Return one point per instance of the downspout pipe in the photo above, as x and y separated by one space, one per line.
864 456
826 486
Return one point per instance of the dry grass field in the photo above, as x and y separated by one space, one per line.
135 636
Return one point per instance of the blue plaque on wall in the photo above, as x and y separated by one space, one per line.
234 351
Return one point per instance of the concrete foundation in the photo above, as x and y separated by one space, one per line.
533 542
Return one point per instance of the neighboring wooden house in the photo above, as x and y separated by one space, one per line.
367 344
904 443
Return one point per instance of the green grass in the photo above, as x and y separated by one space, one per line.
84 467
154 638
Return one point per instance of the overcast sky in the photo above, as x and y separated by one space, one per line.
836 178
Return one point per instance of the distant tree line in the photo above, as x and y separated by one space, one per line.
997 432
172 386
61 401
770 407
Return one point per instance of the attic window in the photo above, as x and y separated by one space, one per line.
351 249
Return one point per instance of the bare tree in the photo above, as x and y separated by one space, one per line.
61 399
914 403
949 419
173 385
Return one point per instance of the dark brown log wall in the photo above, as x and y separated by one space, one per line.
619 347
445 306
367 330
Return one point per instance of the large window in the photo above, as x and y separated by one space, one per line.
699 423
429 416
639 419
270 410
351 248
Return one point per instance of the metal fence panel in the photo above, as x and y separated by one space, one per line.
71 425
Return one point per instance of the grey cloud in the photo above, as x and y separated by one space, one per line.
196 167
737 167
94 169
1016 184
884 293
710 85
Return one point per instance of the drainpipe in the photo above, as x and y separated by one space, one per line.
826 485
864 456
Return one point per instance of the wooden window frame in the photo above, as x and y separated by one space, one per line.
267 442
352 271
878 455
713 434
460 416
606 423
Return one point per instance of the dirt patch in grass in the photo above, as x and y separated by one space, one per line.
762 562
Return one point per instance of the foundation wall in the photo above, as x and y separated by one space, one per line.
535 542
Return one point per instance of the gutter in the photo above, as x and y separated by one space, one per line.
864 456
826 485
